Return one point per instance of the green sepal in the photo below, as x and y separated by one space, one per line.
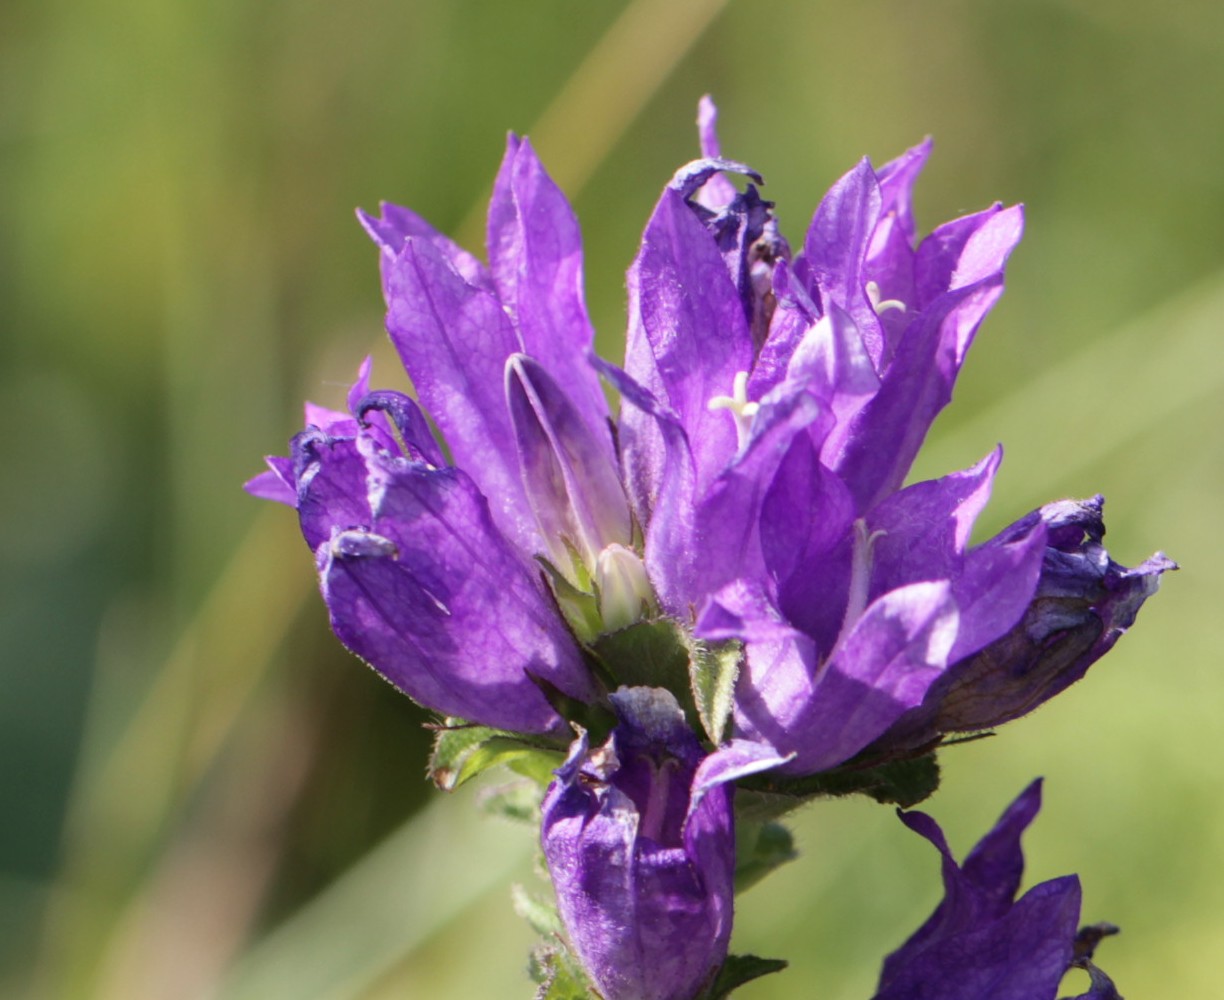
648 654
738 970
558 974
759 849
579 606
596 718
712 674
899 782
660 653
518 801
463 751
541 915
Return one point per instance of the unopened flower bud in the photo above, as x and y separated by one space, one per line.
623 587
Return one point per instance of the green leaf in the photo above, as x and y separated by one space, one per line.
462 751
900 782
646 654
516 800
541 915
595 717
650 654
712 671
661 653
453 743
578 605
738 970
558 975
759 849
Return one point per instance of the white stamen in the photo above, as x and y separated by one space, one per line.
741 409
878 304
860 576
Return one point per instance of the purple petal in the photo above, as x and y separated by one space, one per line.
535 253
687 336
835 250
689 561
890 257
431 595
718 192
414 433
889 430
949 256
833 361
925 527
275 484
806 520
571 483
691 177
744 610
978 942
897 179
1102 988
995 586
395 225
1022 956
332 486
731 762
793 316
656 461
826 714
361 386
335 422
454 340
1081 604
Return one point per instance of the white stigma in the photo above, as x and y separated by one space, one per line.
741 409
878 304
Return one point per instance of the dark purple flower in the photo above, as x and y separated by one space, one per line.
768 476
639 837
982 941
772 405
418 580
1083 603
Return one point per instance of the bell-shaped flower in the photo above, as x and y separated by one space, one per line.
768 476
1083 603
418 580
639 837
982 941
431 571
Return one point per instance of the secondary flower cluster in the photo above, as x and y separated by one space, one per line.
750 498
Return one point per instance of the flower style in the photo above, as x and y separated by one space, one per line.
639 838
983 942
772 405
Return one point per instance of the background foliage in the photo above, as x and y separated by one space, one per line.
203 795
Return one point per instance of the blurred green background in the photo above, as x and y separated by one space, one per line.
203 795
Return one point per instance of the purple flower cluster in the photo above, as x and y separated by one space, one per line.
751 493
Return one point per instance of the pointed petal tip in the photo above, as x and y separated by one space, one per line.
270 485
695 173
372 224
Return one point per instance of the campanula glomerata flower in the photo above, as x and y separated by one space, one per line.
639 837
982 941
752 490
